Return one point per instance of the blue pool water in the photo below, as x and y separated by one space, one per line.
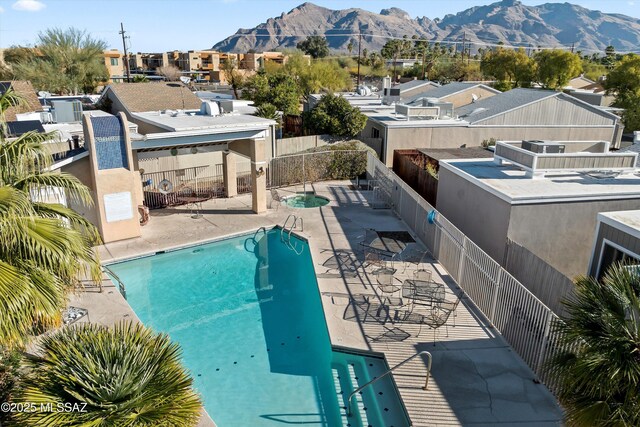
247 314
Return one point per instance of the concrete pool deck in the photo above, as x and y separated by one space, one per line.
477 379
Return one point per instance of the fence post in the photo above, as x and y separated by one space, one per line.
543 345
463 252
494 300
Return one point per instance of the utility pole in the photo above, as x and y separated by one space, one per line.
424 60
126 55
573 45
464 43
359 59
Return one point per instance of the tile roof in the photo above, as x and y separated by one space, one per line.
507 101
154 96
26 90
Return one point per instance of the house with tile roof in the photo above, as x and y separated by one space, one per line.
132 98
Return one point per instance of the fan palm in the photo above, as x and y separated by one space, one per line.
43 246
599 370
126 375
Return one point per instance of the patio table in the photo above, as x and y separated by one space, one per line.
422 292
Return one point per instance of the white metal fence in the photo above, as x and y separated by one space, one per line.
522 319
207 181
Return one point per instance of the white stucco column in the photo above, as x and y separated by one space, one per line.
258 177
229 173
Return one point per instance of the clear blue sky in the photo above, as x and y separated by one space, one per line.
163 25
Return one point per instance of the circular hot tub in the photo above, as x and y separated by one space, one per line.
308 200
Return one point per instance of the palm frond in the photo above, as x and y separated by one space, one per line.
599 368
44 182
127 375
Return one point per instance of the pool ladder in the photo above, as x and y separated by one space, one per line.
114 276
285 233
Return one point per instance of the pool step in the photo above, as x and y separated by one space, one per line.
379 404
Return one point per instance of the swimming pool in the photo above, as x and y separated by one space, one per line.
248 316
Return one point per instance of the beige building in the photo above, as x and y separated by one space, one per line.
206 64
539 196
514 115
115 62
178 135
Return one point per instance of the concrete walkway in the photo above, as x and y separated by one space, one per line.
477 379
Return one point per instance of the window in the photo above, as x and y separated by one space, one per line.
114 61
375 133
612 255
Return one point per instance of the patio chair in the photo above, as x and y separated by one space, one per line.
375 258
423 275
275 197
435 319
451 305
416 261
386 280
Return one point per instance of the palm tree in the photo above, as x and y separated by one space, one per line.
126 374
43 246
599 368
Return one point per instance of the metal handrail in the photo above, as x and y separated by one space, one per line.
121 286
426 383
284 226
263 229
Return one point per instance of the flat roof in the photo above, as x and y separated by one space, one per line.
386 116
626 221
457 153
195 122
509 183
627 218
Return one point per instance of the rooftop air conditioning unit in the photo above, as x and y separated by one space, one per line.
67 111
226 105
543 147
446 108
209 108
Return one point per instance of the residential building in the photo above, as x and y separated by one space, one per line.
617 240
514 115
147 62
115 62
196 147
542 196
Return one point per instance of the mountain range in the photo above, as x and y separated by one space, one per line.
507 21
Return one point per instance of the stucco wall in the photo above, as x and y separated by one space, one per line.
483 217
453 137
562 233
81 169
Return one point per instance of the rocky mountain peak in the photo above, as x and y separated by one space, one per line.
507 21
